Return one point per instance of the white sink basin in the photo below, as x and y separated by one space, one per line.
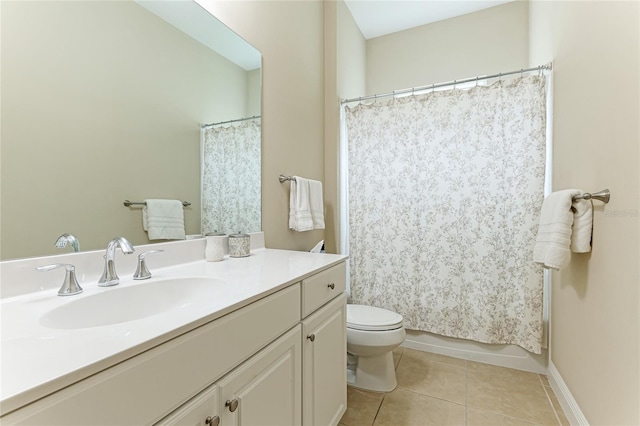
127 303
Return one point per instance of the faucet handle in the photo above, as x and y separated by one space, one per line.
70 285
142 272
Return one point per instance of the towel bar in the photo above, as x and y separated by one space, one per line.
128 203
603 196
284 178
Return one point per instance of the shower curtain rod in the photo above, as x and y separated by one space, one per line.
539 68
204 126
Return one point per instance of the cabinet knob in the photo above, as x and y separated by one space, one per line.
233 405
332 286
212 421
311 337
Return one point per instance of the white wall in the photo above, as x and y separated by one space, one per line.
484 42
595 320
345 71
351 54
254 91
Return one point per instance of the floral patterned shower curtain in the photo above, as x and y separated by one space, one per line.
445 190
231 178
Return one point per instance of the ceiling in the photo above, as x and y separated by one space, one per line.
381 17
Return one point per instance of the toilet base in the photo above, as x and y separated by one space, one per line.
374 373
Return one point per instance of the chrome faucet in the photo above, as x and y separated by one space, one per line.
109 276
65 238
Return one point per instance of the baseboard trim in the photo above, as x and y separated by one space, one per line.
569 405
509 356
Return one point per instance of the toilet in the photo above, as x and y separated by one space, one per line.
372 334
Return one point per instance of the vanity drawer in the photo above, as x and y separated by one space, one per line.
147 387
322 287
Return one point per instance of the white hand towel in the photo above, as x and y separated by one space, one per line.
316 204
299 208
563 223
582 226
163 219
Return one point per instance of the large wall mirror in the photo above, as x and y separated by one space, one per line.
104 101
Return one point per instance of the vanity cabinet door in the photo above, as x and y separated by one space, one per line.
325 364
202 410
267 388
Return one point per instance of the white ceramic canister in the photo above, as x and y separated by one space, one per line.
239 245
216 246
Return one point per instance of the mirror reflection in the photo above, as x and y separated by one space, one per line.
104 102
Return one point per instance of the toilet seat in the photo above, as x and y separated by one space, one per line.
370 318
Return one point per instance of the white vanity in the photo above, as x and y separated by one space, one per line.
263 342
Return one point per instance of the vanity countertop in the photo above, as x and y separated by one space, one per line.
37 360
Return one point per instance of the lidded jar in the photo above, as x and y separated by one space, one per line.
239 245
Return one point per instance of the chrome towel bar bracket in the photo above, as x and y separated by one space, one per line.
283 178
603 196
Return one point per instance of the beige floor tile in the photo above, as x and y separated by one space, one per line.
480 418
508 392
362 407
509 378
419 373
503 371
556 406
436 357
404 408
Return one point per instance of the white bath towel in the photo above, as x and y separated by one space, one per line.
316 204
163 219
306 206
563 224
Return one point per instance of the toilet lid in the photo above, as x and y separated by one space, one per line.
370 318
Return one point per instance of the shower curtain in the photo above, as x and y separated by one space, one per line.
231 178
444 194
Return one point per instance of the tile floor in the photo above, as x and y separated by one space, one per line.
439 390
